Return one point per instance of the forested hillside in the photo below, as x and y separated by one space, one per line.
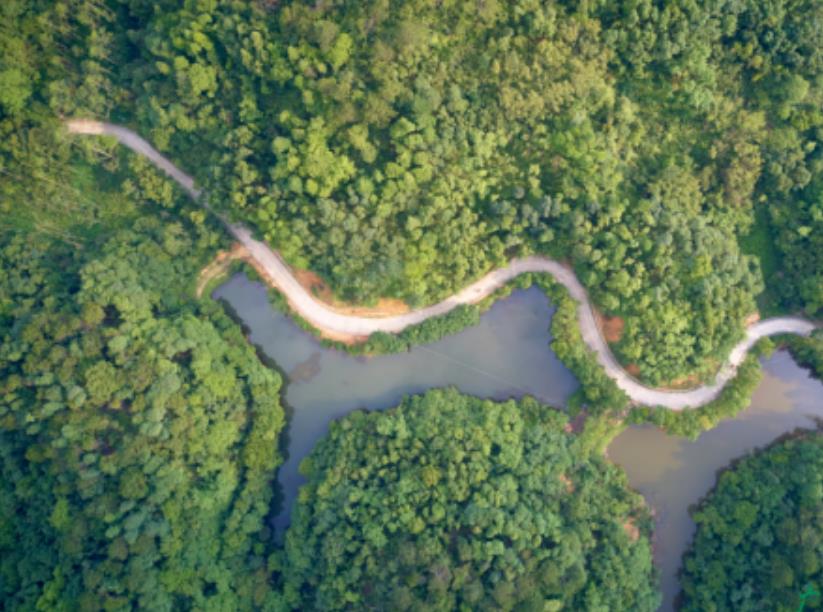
402 149
759 540
52 64
450 502
398 148
138 431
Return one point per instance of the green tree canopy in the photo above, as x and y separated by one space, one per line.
449 502
138 432
759 540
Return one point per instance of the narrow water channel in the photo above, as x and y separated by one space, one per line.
674 473
508 355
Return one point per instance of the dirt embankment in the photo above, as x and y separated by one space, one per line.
311 282
218 266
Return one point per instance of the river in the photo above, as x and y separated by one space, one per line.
508 355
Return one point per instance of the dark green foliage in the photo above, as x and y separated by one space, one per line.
808 351
780 46
799 224
760 242
450 502
403 151
759 540
138 432
54 62
398 149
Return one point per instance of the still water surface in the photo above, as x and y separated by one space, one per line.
508 355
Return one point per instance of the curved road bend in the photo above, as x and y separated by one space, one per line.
324 318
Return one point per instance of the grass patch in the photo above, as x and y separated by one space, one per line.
80 205
760 243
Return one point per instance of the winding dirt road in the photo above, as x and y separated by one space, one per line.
326 319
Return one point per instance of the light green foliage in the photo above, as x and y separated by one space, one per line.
780 46
138 432
759 540
398 149
449 502
404 152
15 89
54 61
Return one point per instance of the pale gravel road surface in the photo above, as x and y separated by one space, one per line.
324 318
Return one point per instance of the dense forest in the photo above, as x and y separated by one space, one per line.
669 151
759 541
403 149
138 432
448 502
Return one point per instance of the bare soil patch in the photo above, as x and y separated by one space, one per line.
631 529
268 259
692 380
684 382
567 483
611 327
752 319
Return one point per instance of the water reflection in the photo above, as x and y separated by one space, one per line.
673 474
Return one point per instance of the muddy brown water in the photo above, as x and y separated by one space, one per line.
673 473
507 355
